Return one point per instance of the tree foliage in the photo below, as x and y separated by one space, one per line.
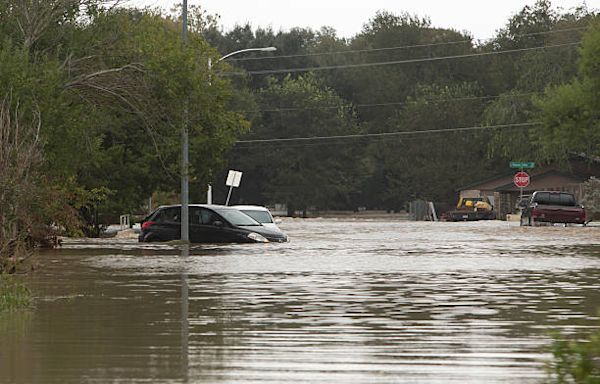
570 112
575 362
428 165
473 84
325 177
108 90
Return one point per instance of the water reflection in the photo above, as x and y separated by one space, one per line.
344 301
185 253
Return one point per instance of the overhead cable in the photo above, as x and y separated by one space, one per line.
367 50
391 103
387 134
395 62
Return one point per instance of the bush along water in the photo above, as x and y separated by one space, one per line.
575 362
13 295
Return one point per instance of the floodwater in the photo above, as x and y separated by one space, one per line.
346 301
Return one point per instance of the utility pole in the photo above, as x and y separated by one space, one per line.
185 227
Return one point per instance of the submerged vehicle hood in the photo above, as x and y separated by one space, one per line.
271 234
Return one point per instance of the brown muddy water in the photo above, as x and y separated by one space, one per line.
345 301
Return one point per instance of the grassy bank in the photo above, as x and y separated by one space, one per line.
13 295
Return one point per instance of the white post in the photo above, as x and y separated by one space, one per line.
521 191
228 195
209 194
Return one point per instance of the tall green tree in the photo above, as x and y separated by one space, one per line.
29 200
149 85
388 37
319 174
429 166
529 73
111 89
570 112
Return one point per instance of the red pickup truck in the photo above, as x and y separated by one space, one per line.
552 207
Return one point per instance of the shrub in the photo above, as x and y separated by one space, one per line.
13 295
575 362
591 198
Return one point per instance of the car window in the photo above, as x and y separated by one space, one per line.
236 217
549 198
554 199
260 216
567 200
542 198
169 215
208 217
195 215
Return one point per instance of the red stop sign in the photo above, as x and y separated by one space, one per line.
521 179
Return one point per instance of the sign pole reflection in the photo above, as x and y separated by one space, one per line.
185 252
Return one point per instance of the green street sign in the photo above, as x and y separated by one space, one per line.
520 164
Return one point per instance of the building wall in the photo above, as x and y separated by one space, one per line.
505 204
552 182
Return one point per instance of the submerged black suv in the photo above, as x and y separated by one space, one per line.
208 224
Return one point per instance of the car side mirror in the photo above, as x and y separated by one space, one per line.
218 223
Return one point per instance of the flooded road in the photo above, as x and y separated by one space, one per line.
345 301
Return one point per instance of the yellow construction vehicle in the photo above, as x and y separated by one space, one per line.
472 208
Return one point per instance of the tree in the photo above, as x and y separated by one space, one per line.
144 105
527 29
388 37
429 166
279 171
530 73
107 86
591 198
516 144
569 113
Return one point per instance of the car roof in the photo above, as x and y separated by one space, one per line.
254 207
212 206
554 192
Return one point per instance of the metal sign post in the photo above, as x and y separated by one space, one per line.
521 178
233 181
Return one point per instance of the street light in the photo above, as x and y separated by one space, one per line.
262 49
185 177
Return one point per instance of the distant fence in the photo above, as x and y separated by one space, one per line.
125 221
421 210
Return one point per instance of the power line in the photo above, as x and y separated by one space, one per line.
464 41
351 51
386 134
391 103
395 62
329 143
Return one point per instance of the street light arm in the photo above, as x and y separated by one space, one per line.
265 49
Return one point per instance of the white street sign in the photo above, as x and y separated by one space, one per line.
233 179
